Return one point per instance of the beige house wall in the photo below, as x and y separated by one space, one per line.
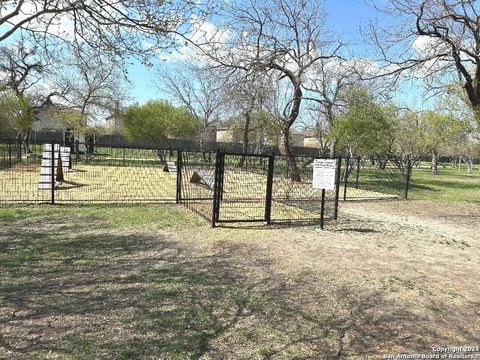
225 136
311 142
114 125
44 122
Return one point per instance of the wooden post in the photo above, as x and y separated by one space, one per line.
59 176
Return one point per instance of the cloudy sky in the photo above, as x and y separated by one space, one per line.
345 17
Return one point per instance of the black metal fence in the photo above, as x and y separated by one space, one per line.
116 140
108 175
295 201
196 172
231 187
220 186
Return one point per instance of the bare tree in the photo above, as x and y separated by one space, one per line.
195 89
117 27
436 40
245 95
330 78
284 40
95 85
21 69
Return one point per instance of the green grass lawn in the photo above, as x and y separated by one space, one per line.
450 184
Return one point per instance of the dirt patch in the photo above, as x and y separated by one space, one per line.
388 277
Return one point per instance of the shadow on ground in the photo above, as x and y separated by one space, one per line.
70 291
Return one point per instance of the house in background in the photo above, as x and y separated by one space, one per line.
57 118
310 139
224 135
296 138
64 120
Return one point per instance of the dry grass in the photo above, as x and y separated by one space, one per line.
133 282
90 183
244 191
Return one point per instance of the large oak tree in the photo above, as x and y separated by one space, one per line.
281 39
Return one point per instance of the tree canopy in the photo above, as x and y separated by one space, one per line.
16 112
158 120
365 128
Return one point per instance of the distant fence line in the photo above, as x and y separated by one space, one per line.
184 144
117 140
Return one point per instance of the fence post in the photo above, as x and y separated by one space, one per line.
337 187
179 176
409 174
77 151
322 210
9 152
19 152
358 171
53 173
268 196
123 146
222 181
216 186
345 178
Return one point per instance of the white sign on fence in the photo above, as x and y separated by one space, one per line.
324 171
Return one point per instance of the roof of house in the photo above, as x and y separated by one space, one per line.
310 133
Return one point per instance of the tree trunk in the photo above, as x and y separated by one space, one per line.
382 164
161 156
333 149
245 144
469 165
26 141
284 148
434 162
